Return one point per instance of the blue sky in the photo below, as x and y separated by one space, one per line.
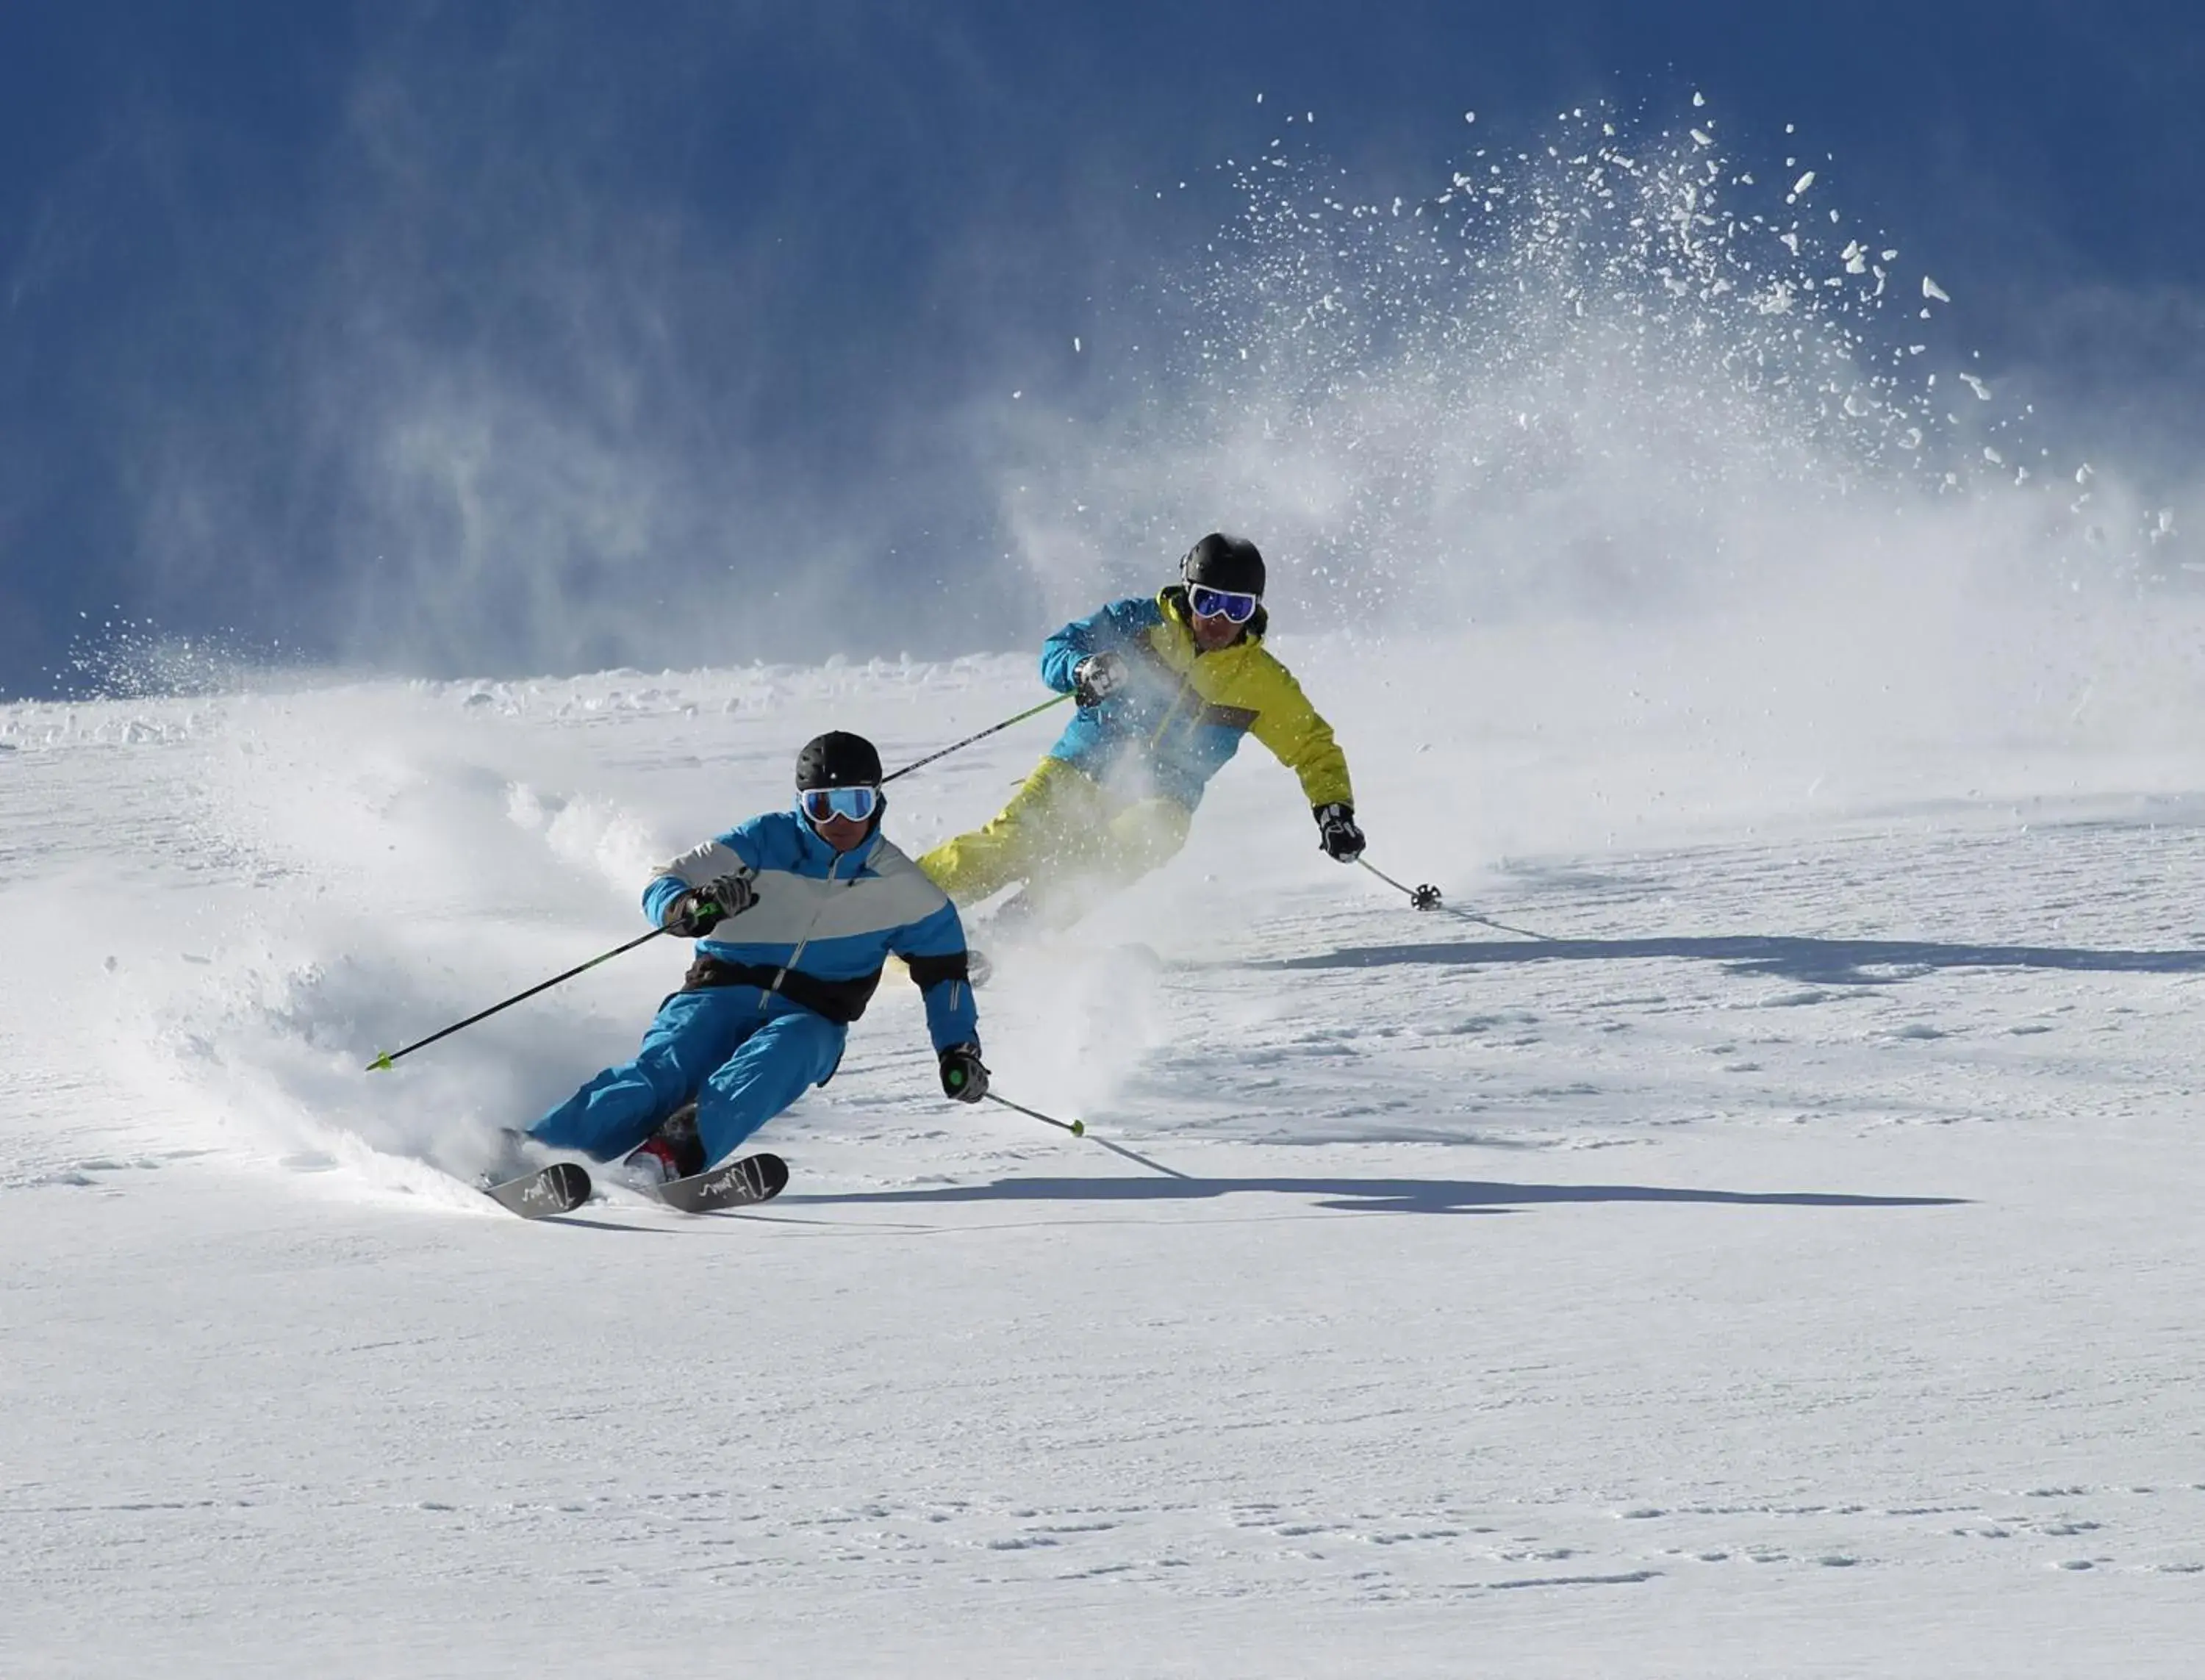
496 338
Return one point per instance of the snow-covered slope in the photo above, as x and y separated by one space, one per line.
1788 1265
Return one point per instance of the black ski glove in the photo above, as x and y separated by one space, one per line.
1097 677
1337 834
701 909
963 1077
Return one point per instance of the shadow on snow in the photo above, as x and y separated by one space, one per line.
1826 961
1371 1195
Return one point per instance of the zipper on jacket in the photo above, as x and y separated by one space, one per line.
797 955
1171 711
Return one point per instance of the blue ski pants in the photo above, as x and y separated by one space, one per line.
742 1064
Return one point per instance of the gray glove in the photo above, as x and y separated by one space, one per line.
701 909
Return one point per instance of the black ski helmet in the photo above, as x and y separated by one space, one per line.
1228 563
838 759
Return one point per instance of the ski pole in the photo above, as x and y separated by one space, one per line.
1420 897
383 1061
1077 1128
957 746
1427 897
388 1057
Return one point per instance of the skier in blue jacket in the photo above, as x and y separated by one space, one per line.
794 912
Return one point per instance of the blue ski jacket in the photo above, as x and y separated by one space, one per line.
825 922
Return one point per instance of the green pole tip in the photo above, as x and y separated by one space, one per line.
1079 1128
381 1064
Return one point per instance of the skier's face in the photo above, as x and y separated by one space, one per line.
844 833
840 816
1213 633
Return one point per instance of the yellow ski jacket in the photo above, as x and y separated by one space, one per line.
1184 713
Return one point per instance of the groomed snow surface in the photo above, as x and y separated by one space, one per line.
1791 1266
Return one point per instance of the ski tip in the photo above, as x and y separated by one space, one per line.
570 1181
772 1176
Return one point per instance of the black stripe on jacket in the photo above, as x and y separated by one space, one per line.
839 1000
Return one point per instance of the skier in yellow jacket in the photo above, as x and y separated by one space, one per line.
1166 688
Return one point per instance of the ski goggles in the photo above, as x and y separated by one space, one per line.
821 805
1208 603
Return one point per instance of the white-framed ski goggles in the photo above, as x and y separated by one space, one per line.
822 805
1208 603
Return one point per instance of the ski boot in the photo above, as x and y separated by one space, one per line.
674 1151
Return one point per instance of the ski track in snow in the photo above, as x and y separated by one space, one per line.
1789 1265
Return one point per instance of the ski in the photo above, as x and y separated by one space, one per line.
558 1188
737 1183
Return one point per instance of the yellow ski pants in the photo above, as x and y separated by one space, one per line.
1066 836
